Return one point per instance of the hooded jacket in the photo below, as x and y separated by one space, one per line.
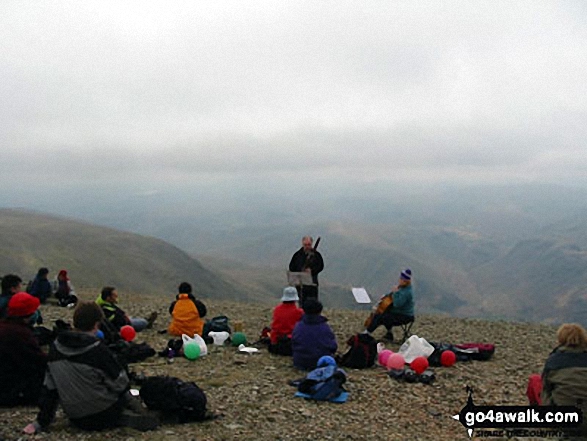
312 338
86 376
22 365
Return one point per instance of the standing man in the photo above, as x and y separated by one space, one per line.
307 259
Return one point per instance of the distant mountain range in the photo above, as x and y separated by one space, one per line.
508 252
98 256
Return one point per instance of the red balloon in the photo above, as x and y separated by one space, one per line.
419 365
128 333
448 358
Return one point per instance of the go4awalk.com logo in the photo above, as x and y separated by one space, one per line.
520 421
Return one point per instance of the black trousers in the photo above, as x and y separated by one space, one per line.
389 319
307 292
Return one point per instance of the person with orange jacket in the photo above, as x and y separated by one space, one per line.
187 313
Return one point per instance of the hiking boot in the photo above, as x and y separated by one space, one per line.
151 319
138 420
388 336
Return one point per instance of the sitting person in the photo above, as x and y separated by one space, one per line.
312 337
108 299
64 290
85 377
285 317
400 310
41 287
564 378
11 284
23 365
186 313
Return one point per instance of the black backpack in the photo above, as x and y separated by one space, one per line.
362 352
183 401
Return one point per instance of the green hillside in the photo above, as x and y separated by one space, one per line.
98 256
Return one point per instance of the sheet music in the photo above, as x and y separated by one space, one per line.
298 279
361 295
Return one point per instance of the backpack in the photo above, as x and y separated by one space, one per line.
362 352
478 351
217 324
323 383
184 401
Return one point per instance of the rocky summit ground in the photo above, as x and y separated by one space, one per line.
251 393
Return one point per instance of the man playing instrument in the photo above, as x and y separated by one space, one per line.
307 259
395 308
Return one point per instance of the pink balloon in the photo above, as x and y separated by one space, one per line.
419 365
128 333
395 361
383 356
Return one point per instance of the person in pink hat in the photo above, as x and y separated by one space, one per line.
23 365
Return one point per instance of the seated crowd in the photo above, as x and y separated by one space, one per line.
80 373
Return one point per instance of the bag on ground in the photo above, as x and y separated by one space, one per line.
175 398
362 352
323 383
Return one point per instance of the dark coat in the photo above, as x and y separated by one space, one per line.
41 288
300 261
312 338
23 363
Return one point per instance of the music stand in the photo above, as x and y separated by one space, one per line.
299 278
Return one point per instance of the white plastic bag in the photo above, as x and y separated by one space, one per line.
243 348
198 340
219 337
415 347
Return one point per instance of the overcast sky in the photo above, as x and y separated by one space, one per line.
429 91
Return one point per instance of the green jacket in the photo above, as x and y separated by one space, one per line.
564 379
113 313
403 301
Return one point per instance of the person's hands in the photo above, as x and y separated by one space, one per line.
32 428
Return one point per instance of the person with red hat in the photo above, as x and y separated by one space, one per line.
64 290
23 365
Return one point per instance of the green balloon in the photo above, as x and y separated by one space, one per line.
238 338
191 351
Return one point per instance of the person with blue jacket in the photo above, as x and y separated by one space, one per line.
312 337
401 309
41 287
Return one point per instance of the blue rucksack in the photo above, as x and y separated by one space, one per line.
323 383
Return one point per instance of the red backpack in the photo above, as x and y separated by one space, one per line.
362 352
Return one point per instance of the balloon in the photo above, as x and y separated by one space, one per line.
191 350
128 333
100 334
238 338
395 361
419 365
383 356
448 358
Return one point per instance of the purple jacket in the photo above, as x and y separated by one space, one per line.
311 339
